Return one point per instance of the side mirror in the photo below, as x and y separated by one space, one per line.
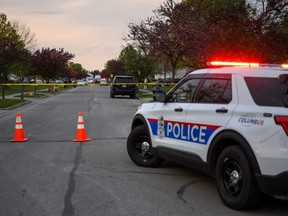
159 97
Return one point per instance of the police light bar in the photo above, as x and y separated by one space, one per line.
233 64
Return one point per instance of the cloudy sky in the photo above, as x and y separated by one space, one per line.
93 30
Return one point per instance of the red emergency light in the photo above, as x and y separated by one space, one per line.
233 64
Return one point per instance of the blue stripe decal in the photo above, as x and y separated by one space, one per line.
154 126
196 133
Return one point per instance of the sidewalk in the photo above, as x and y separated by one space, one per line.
26 95
18 96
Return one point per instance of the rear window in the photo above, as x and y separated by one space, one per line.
123 80
268 91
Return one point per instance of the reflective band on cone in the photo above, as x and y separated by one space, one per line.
19 131
80 132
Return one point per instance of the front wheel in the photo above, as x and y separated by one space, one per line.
235 180
140 149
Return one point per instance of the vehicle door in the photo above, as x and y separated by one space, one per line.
171 116
211 109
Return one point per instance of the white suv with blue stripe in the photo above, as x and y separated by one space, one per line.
230 123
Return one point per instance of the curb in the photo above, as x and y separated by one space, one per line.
17 105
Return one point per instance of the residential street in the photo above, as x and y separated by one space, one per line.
50 175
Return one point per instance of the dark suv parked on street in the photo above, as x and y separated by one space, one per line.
123 85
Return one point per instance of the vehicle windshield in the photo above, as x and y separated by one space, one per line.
123 80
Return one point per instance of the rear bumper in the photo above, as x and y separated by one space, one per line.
124 91
273 185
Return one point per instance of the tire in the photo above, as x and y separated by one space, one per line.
235 180
133 96
112 95
140 150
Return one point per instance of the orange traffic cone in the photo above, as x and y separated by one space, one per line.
80 132
19 132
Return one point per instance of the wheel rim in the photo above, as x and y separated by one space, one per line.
232 177
143 147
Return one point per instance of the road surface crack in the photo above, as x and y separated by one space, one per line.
69 209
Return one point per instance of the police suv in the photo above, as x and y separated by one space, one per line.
229 122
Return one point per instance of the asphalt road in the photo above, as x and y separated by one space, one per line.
49 175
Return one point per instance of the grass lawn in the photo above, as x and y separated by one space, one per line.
165 88
143 94
9 102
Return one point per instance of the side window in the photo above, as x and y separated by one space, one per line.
184 93
215 91
275 90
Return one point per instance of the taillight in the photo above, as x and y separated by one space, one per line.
282 120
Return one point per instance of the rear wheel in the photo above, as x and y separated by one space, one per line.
140 149
235 180
133 96
111 95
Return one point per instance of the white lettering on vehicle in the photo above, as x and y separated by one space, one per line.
195 133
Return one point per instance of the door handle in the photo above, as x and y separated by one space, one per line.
179 109
221 110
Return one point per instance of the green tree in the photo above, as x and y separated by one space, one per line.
12 48
77 71
269 24
165 34
228 36
192 32
95 73
113 67
26 35
136 64
22 68
255 33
